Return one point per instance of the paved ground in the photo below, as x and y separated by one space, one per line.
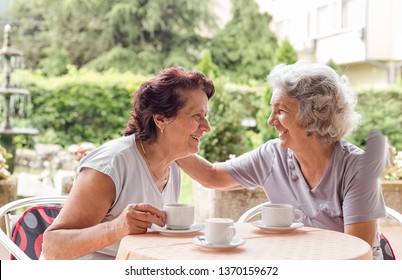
3 253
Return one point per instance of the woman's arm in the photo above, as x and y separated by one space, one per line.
364 230
78 231
209 175
370 167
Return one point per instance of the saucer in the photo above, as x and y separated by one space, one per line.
269 229
165 231
202 242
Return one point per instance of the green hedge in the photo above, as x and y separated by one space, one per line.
85 106
79 107
228 107
381 110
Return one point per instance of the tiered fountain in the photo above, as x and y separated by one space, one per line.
14 99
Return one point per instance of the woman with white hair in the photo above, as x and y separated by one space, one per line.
310 165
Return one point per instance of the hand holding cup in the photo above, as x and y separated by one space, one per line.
179 216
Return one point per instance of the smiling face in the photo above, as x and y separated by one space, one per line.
284 118
184 131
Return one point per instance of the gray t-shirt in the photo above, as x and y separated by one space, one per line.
121 161
343 196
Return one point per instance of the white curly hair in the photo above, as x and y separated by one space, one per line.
326 103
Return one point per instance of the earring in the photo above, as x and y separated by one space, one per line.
162 130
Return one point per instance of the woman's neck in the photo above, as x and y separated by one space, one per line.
313 160
157 159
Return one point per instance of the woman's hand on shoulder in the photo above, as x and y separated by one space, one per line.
210 175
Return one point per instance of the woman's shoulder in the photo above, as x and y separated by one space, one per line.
376 145
116 147
111 151
271 149
119 144
273 146
348 149
348 156
371 161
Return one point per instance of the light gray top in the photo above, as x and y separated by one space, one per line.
346 194
121 161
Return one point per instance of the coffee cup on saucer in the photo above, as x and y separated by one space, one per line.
219 231
280 215
179 216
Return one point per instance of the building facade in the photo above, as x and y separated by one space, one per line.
363 37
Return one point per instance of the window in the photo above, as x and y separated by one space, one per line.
353 14
323 21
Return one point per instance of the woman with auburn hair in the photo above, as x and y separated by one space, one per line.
122 186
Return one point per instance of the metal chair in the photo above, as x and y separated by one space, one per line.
394 214
254 211
41 204
251 213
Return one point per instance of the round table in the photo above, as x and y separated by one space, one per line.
301 244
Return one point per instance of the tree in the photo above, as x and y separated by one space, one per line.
265 132
285 53
94 32
245 47
228 107
207 66
56 59
380 110
331 63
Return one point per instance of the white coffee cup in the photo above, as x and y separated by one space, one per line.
179 216
280 215
219 231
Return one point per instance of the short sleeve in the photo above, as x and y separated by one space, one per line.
100 159
375 157
252 169
363 200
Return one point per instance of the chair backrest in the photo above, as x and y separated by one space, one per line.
394 214
387 252
23 239
386 248
29 229
251 213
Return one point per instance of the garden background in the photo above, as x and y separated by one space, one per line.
83 59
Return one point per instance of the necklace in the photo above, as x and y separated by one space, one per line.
150 166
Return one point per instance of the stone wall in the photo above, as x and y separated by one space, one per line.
45 156
225 204
392 191
232 204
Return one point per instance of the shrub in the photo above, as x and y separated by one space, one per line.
81 106
84 106
4 168
381 110
228 107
